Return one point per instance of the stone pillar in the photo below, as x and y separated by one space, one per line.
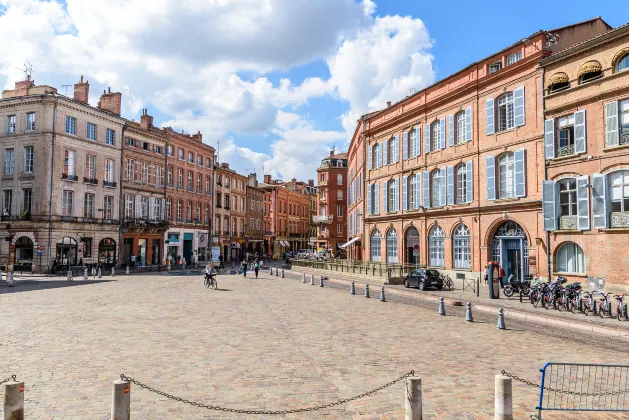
503 398
413 398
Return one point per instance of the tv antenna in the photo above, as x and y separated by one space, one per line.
411 91
28 70
66 88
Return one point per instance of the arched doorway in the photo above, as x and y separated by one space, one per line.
510 249
411 240
107 252
23 254
66 253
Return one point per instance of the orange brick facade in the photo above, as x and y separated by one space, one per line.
332 214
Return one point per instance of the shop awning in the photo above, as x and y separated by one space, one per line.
286 243
349 243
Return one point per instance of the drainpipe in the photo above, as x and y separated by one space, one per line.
120 198
364 191
545 178
165 174
52 175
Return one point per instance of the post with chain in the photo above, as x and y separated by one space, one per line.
413 398
503 409
13 399
121 400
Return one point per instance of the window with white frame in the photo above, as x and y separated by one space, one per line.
130 170
506 176
130 142
90 131
619 186
179 210
436 135
460 127
189 211
27 195
568 197
391 195
11 121
339 228
159 176
29 158
190 157
565 138
180 154
30 121
412 191
180 178
199 160
144 207
461 183
7 202
339 179
435 185
169 208
339 211
129 206
170 150
494 67
67 203
208 162
375 244
88 206
392 256
9 161
110 137
570 259
505 112
108 207
145 173
624 121
71 125
90 167
514 58
199 182
461 248
436 247
208 182
339 194
157 209
198 214
69 163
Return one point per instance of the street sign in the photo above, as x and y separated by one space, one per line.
41 247
39 252
416 253
416 247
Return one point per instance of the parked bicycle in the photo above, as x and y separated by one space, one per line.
620 310
570 298
538 290
447 281
604 306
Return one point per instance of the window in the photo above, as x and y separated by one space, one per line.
198 212
375 245
144 207
339 194
180 154
208 162
159 176
110 137
68 165
494 67
589 71
29 156
436 135
435 247
460 127
391 196
619 183
242 204
87 247
392 246
190 157
565 126
558 81
199 160
11 124
461 183
339 211
505 112
144 168
90 167
71 125
146 146
435 188
130 170
412 189
189 180
570 259
158 150
9 160
568 197
27 202
180 178
90 131
199 182
157 209
170 150
129 206
461 248
67 203
130 142
339 228
88 206
108 207
207 214
7 202
623 63
514 58
624 122
227 200
257 224
208 181
30 121
339 179
179 210
169 208
506 176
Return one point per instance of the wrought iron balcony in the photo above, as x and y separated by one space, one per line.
92 181
566 150
189 221
327 219
624 138
227 208
67 177
180 186
190 189
109 184
225 233
199 191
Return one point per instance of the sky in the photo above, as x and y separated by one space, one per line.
273 85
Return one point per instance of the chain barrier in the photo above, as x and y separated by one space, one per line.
561 391
11 378
279 412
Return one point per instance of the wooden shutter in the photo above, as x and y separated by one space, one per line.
520 173
549 205
427 139
611 124
549 138
385 153
442 187
151 204
450 175
379 155
396 198
519 110
376 199
427 190
583 202
451 130
417 142
370 157
369 186
468 124
469 180
418 190
599 200
405 145
442 132
385 203
404 193
490 177
489 116
580 136
397 149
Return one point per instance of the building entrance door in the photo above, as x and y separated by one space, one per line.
142 252
510 249
155 252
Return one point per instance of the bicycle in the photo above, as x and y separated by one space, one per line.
210 281
620 310
589 303
605 307
447 282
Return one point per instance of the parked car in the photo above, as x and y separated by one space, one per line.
423 278
302 253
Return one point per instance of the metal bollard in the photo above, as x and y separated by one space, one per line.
85 274
321 282
127 270
14 400
442 307
277 272
382 299
312 279
501 319
282 273
183 265
113 271
468 312
352 289
69 277
367 290
413 398
520 295
303 278
503 409
10 278
121 400
100 273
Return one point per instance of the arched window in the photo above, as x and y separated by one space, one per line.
506 176
568 196
590 70
392 246
505 112
412 241
619 186
460 127
435 247
375 245
570 259
436 188
391 195
557 82
436 135
623 63
461 247
461 183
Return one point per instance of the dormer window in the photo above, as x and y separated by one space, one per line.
589 71
494 67
514 58
557 82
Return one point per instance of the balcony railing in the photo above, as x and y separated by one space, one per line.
219 183
190 189
227 208
92 181
171 185
199 191
324 235
180 220
67 177
144 222
109 184
624 138
219 206
323 184
189 221
566 150
268 233
327 219
180 186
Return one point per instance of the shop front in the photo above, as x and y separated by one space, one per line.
66 254
173 248
23 254
107 252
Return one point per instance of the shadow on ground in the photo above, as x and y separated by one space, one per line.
32 285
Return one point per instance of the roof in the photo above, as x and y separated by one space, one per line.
339 156
561 28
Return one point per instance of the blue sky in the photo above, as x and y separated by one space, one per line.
277 82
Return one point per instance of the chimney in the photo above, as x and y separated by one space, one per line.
267 179
146 120
311 182
111 102
388 104
198 137
225 165
21 88
331 153
82 91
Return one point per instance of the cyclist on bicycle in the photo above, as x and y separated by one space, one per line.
209 270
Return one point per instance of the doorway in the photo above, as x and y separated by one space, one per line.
412 246
142 252
155 252
510 250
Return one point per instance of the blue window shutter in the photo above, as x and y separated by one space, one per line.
370 158
580 141
583 202
469 181
549 205
385 203
468 124
397 195
369 186
385 153
450 175
427 190
442 187
418 190
427 139
442 132
376 199
520 173
404 193
379 155
405 145
549 139
451 130
417 142
599 201
490 166
518 107
397 149
489 116
611 124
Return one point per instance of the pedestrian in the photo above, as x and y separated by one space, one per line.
244 268
256 268
220 261
501 274
133 262
486 274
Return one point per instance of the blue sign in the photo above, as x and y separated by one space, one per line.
40 252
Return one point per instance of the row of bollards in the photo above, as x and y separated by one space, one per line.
468 313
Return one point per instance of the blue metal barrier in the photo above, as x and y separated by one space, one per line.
583 387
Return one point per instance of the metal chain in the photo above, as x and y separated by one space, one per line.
236 410
11 378
561 391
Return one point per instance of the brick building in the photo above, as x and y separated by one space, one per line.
456 168
332 213
586 143
229 212
254 231
60 162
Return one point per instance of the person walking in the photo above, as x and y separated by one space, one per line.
220 262
244 268
256 267
501 274
486 274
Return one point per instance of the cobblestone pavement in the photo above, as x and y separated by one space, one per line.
269 344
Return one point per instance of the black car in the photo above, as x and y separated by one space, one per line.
422 279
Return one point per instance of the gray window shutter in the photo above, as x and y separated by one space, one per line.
418 143
489 116
469 181
369 187
370 158
549 139
397 195
451 130
385 203
163 214
427 139
385 153
580 140
427 190
376 199
379 155
611 124
405 145
138 207
442 132
404 193
442 187
599 200
583 202
418 190
490 166
518 107
549 204
397 149
520 173
450 175
468 124
151 204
